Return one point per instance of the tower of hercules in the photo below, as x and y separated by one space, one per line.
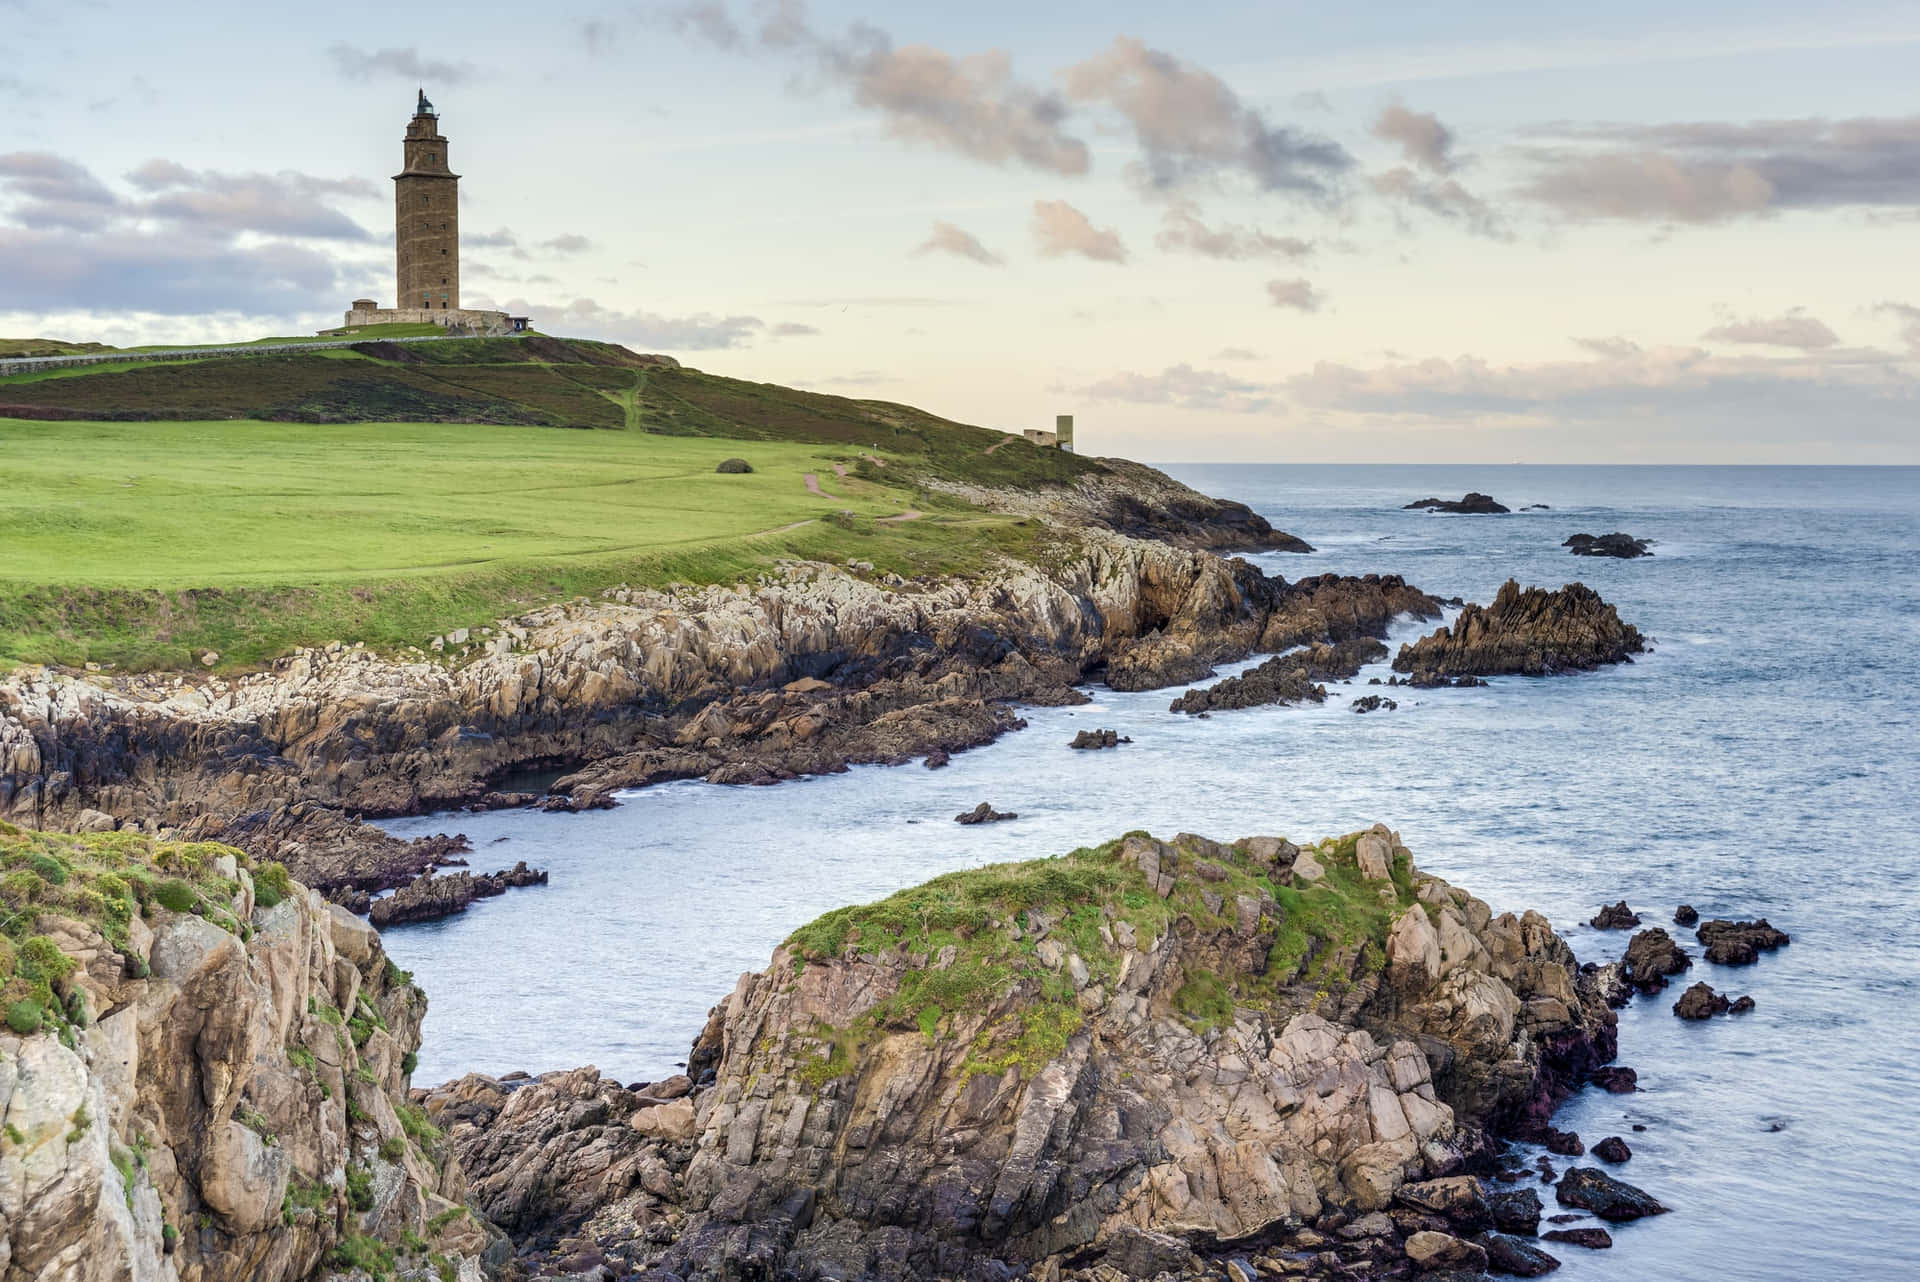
426 197
426 244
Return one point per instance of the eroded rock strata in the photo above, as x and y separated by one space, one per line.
1529 633
804 673
1129 1058
214 1087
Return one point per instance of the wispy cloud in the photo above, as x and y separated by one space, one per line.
364 65
1184 387
1298 294
1182 230
1060 229
1190 124
1711 172
949 239
1794 329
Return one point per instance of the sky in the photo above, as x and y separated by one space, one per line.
1482 233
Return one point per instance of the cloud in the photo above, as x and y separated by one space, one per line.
1298 294
365 65
1237 354
1181 229
1184 387
1709 172
586 318
285 204
792 329
1795 329
1442 196
52 191
970 104
599 36
567 243
1613 347
708 22
1423 140
171 273
1191 125
948 239
1909 318
1059 228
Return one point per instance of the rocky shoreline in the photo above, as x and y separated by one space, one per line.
807 673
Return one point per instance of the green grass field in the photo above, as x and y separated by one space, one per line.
386 493
144 544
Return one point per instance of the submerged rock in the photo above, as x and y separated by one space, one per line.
1373 703
1591 1238
1685 915
1616 1079
1615 917
431 896
1624 546
970 1078
1530 633
1285 678
1700 1002
1612 1149
1098 739
1473 503
984 813
1740 943
1592 1189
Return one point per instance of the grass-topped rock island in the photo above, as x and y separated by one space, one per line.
1140 1059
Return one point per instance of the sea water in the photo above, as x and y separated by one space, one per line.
1761 760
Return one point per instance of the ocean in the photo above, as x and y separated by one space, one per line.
1762 760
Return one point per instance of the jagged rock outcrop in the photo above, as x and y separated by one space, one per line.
1617 544
1123 1056
218 1093
1293 677
1473 503
1533 633
800 674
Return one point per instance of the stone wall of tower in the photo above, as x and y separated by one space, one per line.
426 195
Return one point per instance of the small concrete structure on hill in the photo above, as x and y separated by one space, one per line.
426 239
1060 438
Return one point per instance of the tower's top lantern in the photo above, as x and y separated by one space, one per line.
423 107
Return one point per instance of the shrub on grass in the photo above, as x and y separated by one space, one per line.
176 895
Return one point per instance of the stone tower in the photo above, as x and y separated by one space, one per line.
426 222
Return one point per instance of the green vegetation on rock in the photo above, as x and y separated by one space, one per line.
992 949
101 880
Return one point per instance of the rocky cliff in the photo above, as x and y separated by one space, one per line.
803 673
1123 1059
203 1078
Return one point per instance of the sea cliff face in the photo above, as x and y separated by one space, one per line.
822 667
215 1087
1134 1057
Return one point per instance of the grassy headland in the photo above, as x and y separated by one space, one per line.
386 493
